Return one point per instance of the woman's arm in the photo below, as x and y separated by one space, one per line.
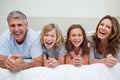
97 61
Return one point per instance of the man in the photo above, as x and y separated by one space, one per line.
18 44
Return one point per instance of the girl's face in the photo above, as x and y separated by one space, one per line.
49 39
76 37
104 29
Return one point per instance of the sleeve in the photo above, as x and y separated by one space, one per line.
4 45
91 55
118 55
36 48
90 45
62 51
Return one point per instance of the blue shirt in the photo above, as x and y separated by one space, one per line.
30 48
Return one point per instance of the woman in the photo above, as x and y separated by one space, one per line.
106 42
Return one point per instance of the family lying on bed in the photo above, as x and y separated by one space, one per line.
25 55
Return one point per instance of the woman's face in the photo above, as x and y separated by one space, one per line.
76 37
49 39
104 29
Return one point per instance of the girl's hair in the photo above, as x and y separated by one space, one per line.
69 46
114 38
49 27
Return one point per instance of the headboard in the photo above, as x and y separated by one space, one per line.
89 24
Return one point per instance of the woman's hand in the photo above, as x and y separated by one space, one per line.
110 61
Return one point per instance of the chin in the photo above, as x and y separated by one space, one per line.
48 47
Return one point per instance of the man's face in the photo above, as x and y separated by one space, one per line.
18 28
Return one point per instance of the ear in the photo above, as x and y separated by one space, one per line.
26 24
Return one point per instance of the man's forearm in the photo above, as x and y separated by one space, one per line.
2 61
34 63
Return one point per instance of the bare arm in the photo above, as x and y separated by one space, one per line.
85 59
68 59
97 61
38 61
2 61
61 60
109 61
45 60
16 63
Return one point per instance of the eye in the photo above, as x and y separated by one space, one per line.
102 24
52 35
46 35
108 27
73 35
79 34
12 25
19 25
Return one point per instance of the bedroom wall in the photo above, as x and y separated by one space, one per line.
93 9
89 24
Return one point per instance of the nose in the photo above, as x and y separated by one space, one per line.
103 27
16 28
49 38
76 37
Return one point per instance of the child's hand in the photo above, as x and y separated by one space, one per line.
110 60
52 63
77 60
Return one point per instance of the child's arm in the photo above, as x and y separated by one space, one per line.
61 60
85 59
68 59
45 60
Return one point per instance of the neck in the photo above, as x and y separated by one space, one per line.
103 46
104 43
20 42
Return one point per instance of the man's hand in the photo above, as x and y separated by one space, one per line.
15 63
3 61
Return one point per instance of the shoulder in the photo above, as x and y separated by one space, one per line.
6 35
90 41
62 47
90 38
32 34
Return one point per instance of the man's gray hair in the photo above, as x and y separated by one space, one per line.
17 15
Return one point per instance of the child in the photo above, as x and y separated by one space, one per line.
52 43
76 45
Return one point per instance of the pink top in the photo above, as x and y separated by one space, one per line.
73 54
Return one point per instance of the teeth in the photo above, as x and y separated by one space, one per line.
49 43
102 33
17 33
77 42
